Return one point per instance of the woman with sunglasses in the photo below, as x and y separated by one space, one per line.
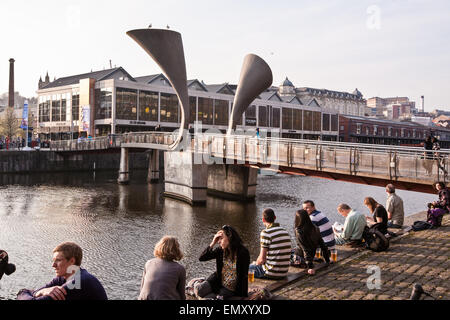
232 261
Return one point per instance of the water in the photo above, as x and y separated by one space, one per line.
118 226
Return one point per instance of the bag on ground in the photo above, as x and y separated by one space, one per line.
374 239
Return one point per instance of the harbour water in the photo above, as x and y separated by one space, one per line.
118 226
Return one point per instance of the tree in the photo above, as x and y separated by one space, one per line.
9 124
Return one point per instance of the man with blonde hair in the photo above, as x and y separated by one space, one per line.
72 282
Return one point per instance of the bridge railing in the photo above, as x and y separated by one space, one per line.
391 162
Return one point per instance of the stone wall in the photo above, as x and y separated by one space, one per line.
48 161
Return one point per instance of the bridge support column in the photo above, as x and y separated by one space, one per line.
124 175
153 167
232 182
184 179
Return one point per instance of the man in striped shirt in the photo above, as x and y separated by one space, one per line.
274 257
322 222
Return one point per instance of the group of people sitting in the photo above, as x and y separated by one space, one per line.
164 278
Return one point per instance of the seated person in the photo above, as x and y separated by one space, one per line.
5 267
163 277
435 215
353 226
274 257
309 239
71 282
320 221
394 208
380 215
444 197
232 260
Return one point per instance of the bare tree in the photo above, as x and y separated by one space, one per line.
9 124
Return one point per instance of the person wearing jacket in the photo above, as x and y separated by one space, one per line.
444 197
232 261
309 239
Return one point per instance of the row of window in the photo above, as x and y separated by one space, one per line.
210 111
390 132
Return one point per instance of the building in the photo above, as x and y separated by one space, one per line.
112 102
330 101
380 131
384 107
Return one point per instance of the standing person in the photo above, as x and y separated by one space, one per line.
321 221
72 282
232 261
163 278
274 257
394 208
379 214
428 145
354 225
308 239
438 156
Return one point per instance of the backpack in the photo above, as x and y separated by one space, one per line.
374 239
421 225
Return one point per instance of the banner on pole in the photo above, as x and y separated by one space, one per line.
24 124
85 118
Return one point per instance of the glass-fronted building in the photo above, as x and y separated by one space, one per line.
112 102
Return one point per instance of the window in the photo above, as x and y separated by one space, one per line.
297 119
275 119
250 116
325 122
192 109
126 104
402 132
316 121
148 106
307 120
287 119
358 128
367 131
169 108
389 131
334 122
56 108
44 109
103 103
75 106
205 110
375 130
221 112
263 116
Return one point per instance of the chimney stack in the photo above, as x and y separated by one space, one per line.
423 103
11 83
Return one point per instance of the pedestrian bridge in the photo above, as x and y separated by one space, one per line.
409 168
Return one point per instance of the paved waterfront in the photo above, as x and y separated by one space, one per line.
418 257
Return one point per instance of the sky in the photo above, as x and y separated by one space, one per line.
383 48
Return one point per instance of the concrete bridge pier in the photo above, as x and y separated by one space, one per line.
232 182
153 167
185 179
124 175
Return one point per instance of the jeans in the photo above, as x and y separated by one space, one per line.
259 271
393 225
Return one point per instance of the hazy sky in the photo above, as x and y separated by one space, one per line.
383 48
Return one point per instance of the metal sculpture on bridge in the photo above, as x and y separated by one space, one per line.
166 48
256 76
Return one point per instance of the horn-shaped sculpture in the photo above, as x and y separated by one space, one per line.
166 48
256 77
